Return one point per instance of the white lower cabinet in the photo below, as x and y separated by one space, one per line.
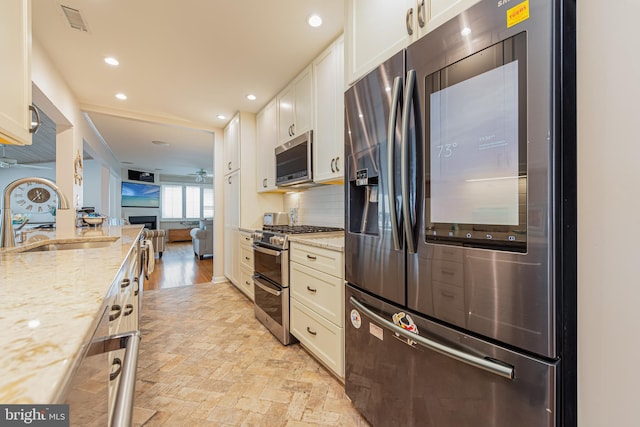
317 303
244 264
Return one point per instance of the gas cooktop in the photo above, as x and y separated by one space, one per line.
299 229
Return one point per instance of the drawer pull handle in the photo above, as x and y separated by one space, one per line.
247 258
125 283
113 375
314 333
128 309
247 283
116 311
311 257
312 290
137 291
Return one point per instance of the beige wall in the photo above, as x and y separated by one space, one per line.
608 206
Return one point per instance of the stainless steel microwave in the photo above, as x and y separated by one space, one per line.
294 160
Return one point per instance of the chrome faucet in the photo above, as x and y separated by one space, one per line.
7 236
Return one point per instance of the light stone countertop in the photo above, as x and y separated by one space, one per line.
333 240
50 304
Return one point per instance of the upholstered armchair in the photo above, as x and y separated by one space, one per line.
202 238
157 238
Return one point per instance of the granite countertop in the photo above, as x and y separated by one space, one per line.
333 241
51 303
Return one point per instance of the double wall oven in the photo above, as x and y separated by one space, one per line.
271 276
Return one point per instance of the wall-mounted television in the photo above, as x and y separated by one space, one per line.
135 195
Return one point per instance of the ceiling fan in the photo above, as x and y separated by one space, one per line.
201 175
6 162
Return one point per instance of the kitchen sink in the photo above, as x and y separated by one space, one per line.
59 246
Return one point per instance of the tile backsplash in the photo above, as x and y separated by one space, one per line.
322 205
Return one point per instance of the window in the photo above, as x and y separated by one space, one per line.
186 201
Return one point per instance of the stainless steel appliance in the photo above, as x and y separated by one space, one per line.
275 218
293 162
460 225
271 276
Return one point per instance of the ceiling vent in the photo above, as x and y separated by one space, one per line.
74 18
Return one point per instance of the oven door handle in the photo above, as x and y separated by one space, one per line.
256 281
266 251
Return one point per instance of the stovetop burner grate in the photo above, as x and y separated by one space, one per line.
299 229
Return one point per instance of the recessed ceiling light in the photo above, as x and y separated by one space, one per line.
251 97
221 116
465 31
111 61
161 143
121 96
314 20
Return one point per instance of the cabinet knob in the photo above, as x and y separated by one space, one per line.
115 312
421 14
128 309
408 21
118 364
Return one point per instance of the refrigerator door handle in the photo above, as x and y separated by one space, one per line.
490 365
391 143
404 162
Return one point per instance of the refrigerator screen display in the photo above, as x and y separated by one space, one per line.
474 149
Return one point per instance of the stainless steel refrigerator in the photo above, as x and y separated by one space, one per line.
460 224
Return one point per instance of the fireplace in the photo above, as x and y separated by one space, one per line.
149 222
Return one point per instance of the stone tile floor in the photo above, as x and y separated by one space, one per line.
205 360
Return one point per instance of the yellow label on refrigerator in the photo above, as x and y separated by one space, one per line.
518 13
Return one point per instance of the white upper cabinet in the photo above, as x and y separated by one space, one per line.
377 29
266 141
15 80
328 138
232 145
295 107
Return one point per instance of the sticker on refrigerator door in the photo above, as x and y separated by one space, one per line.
517 14
376 331
405 322
356 320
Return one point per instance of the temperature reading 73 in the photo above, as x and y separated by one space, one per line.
446 150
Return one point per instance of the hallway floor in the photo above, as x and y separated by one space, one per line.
205 360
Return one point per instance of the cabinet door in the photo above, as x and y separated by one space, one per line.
15 85
329 114
231 223
232 145
303 106
440 11
286 101
374 31
267 138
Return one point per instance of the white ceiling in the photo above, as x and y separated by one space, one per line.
181 62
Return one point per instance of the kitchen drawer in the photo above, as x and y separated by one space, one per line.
326 260
447 272
246 256
245 238
321 292
448 301
245 283
321 337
